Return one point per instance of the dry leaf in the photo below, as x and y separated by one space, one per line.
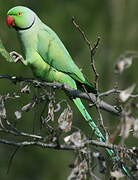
25 89
18 114
28 106
80 170
74 138
96 154
125 94
65 119
50 116
123 64
117 174
67 139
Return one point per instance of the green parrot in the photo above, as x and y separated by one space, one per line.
49 60
46 55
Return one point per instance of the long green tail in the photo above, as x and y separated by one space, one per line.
97 132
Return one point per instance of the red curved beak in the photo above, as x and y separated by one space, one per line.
10 21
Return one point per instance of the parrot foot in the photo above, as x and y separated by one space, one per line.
16 57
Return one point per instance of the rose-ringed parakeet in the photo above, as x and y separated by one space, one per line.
49 60
46 55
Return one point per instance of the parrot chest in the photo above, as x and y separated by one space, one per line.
44 71
34 60
40 68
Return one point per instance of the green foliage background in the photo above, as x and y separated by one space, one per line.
115 21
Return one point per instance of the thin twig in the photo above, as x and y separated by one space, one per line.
115 91
101 119
19 133
82 32
92 50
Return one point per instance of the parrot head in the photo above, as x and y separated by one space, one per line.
20 18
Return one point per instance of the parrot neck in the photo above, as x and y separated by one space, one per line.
34 26
22 29
28 37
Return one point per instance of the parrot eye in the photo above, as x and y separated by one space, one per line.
19 14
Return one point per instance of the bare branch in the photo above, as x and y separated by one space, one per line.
38 143
72 92
65 146
19 133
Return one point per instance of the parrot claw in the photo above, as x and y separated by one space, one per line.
16 56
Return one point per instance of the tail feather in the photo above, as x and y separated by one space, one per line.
92 124
88 118
98 133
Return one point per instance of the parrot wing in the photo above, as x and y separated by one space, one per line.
56 55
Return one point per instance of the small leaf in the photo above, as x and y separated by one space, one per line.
28 106
74 138
80 170
18 114
123 63
26 89
125 94
65 120
96 154
16 95
67 139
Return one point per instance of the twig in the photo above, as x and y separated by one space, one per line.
38 137
101 119
19 133
106 93
115 91
93 51
91 48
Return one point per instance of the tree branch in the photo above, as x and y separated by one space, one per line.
72 92
64 146
38 143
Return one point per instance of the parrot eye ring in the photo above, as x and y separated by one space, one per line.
19 14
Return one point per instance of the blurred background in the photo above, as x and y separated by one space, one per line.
115 21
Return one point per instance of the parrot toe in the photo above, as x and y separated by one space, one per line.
16 56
